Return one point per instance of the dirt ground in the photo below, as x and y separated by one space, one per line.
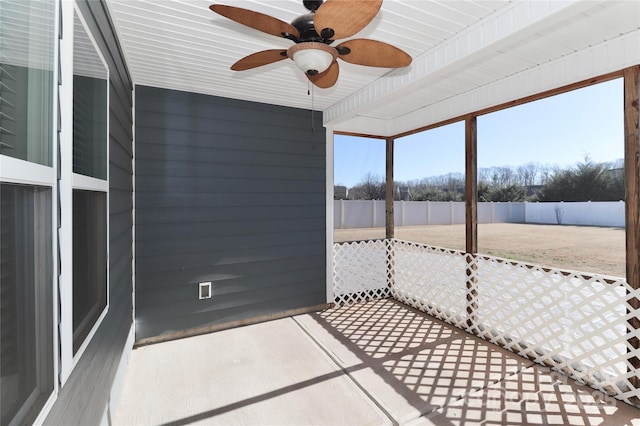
581 248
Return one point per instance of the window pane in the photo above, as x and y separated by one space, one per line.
26 341
89 107
89 261
26 79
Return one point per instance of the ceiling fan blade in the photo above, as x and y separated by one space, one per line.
260 58
326 79
345 17
256 20
374 53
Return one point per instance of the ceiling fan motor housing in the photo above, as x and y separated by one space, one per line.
312 5
304 25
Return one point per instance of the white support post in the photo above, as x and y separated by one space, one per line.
329 215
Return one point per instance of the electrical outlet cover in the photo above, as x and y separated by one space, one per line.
204 290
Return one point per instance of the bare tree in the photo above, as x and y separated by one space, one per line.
371 187
527 173
503 176
546 172
484 174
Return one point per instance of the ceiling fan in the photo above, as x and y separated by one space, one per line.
313 34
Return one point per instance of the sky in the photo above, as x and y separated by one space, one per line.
560 130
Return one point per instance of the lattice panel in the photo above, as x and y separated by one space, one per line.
430 279
360 271
573 322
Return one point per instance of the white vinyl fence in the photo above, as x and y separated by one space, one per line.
371 213
594 213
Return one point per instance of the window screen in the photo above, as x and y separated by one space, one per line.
89 262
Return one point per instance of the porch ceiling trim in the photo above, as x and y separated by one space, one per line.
611 56
516 21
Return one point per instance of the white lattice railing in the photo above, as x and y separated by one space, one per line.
360 271
573 322
431 279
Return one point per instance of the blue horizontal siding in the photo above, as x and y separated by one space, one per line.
231 192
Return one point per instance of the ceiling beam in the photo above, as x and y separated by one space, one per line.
513 22
589 66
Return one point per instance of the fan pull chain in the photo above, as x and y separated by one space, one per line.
310 92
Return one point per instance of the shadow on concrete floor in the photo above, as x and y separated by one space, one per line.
379 362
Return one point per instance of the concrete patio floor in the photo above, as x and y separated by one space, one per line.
375 363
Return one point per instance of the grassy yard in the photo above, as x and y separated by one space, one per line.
581 248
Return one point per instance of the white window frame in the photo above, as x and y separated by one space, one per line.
70 181
16 171
23 172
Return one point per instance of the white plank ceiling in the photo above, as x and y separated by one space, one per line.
181 44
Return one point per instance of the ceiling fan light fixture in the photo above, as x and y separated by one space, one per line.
313 33
312 57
